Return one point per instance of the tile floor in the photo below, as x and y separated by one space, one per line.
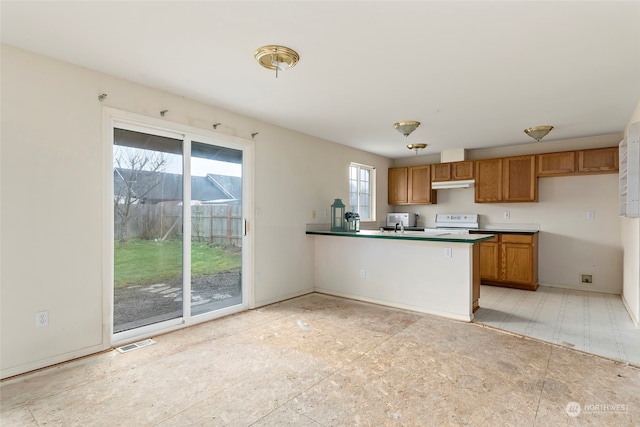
593 322
324 361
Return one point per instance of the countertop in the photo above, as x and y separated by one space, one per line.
502 231
407 235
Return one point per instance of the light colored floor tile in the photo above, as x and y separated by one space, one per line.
588 321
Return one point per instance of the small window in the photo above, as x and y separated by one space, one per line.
362 179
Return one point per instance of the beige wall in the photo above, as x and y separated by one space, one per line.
54 205
631 243
569 244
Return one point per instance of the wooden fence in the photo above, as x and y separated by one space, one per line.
217 224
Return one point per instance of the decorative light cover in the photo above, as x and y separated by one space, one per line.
417 147
275 57
406 127
538 132
337 215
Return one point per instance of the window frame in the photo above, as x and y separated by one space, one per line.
372 190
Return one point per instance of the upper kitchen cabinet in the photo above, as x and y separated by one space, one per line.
398 186
557 164
599 160
507 179
488 187
581 162
454 171
411 186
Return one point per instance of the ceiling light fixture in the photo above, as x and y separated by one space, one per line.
406 127
538 132
417 147
275 57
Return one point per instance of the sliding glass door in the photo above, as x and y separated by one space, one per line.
216 227
178 229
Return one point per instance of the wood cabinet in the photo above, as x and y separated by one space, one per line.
598 160
411 185
510 260
454 171
581 162
398 191
507 179
557 164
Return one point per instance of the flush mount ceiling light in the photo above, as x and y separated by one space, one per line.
417 147
538 132
276 57
407 127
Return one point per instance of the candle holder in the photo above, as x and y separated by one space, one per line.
337 215
352 221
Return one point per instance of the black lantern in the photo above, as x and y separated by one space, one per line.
337 215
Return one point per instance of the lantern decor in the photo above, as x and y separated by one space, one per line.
353 221
337 215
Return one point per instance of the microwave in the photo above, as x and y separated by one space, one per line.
407 219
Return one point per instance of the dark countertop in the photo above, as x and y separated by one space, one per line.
502 231
411 235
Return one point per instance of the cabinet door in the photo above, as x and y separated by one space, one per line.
441 172
517 263
462 170
598 160
420 185
488 186
489 259
398 186
520 183
557 164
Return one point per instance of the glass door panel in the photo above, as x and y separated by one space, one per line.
148 241
216 227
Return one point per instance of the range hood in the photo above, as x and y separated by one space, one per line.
445 185
448 156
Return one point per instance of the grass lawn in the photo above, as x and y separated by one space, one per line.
143 262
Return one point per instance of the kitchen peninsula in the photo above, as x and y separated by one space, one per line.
434 273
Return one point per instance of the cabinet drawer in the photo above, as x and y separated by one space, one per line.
516 238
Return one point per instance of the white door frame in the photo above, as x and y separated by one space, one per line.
114 118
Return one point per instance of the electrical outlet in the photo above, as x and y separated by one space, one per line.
363 273
258 277
42 319
506 214
447 252
591 214
586 279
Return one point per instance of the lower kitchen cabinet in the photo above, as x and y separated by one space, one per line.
510 260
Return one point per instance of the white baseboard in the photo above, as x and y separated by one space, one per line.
281 298
408 307
631 314
50 362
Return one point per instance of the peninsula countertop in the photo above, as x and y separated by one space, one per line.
407 235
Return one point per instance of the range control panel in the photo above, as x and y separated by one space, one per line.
457 220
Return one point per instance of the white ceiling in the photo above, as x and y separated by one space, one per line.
474 73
